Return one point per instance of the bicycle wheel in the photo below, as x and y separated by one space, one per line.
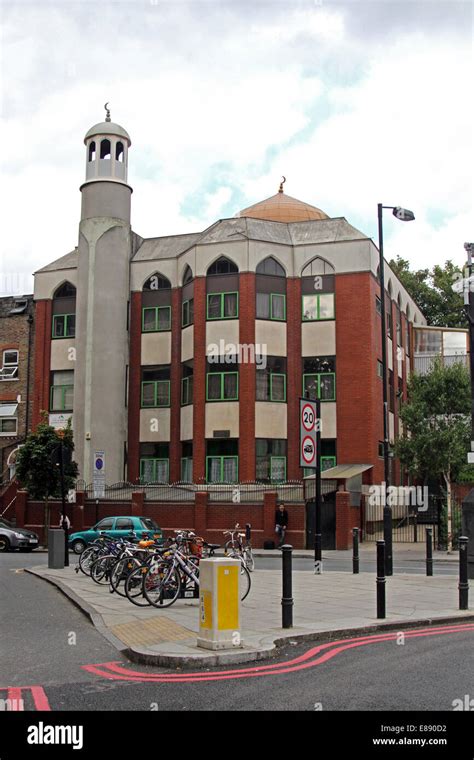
162 585
86 558
101 568
245 582
249 559
134 586
119 573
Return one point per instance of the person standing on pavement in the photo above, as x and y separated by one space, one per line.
281 523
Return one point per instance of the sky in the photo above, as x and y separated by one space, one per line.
355 102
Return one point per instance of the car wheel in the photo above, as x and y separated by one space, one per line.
4 544
78 546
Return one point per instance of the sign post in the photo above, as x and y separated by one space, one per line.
99 475
310 456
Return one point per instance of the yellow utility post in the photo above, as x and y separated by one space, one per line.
219 603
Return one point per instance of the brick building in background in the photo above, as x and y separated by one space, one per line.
16 377
148 343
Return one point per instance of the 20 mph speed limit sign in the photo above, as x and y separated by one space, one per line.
307 433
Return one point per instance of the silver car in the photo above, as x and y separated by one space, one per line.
16 538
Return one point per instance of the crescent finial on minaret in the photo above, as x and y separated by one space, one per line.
283 180
106 106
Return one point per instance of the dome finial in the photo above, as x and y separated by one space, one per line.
107 117
283 180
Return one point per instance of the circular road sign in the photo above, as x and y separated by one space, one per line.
308 450
308 417
99 463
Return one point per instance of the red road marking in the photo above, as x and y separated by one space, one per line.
40 699
115 671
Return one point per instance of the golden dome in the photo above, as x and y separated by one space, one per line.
283 208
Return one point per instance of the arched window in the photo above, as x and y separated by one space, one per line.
270 266
66 290
187 275
317 266
119 152
157 282
92 151
389 288
270 286
64 311
156 304
222 265
105 149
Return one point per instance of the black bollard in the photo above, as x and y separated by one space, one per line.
429 551
463 576
355 550
380 579
287 598
248 532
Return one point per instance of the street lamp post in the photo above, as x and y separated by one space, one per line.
468 503
405 216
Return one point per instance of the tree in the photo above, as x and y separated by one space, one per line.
437 427
36 467
432 290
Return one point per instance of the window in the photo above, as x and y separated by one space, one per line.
156 318
157 282
379 368
188 312
381 449
154 470
66 290
399 327
105 524
10 358
317 307
407 338
378 306
270 460
124 523
270 266
222 386
222 305
222 266
119 152
271 306
187 461
391 389
105 149
319 377
317 266
155 387
187 390
92 151
327 463
8 419
64 325
388 318
188 274
222 469
271 381
9 368
62 391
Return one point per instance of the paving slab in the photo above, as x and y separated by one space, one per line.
327 605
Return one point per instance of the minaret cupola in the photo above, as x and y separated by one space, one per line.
107 147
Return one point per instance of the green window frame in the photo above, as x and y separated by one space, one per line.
187 313
273 375
155 462
271 307
187 390
187 469
222 396
318 377
157 322
318 310
68 322
277 461
221 467
222 296
327 462
63 393
157 392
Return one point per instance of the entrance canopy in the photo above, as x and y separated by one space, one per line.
342 472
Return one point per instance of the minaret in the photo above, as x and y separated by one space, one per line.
100 419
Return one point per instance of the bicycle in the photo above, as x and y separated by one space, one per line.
236 548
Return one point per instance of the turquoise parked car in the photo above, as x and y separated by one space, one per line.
117 527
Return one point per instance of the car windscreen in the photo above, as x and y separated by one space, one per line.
6 524
148 523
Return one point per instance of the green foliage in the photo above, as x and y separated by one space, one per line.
437 424
35 469
456 525
432 291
